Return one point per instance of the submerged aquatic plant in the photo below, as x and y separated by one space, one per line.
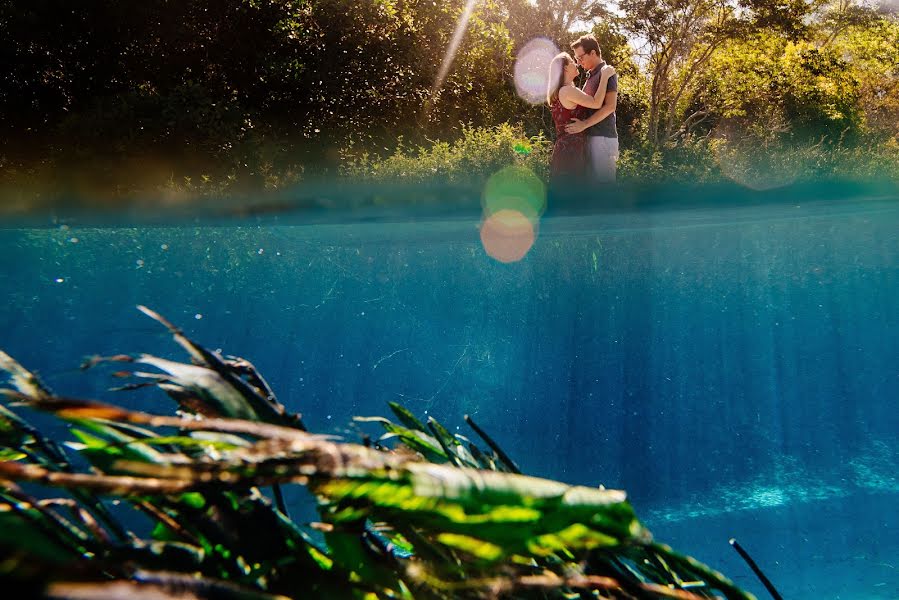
419 513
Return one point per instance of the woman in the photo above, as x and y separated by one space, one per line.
566 102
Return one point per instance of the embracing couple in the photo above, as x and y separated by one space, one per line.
586 137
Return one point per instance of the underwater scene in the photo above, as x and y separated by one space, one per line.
731 366
449 300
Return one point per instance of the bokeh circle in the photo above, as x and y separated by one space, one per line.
532 69
507 235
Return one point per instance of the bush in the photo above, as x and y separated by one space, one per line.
691 161
480 152
781 163
760 164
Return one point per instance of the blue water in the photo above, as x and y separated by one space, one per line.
734 368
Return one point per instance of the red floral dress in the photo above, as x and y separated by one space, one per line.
569 158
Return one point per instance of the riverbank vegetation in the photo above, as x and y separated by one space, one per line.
231 97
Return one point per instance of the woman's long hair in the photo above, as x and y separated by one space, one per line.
556 76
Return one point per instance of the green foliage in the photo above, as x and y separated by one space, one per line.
870 52
222 97
432 517
470 160
739 79
690 162
819 93
787 18
760 163
480 70
779 108
766 89
236 97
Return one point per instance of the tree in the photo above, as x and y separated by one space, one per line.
680 37
551 19
230 86
787 18
869 41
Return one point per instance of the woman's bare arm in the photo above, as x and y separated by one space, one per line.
572 95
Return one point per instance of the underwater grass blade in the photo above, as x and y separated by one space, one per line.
508 462
50 454
416 440
116 485
266 408
150 586
70 408
700 571
445 440
207 386
756 569
405 416
21 378
45 532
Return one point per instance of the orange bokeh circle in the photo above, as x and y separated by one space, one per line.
507 235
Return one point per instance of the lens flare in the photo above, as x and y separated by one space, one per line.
450 55
515 188
751 166
532 69
507 235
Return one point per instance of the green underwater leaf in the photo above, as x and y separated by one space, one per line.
27 530
193 500
517 513
576 536
406 417
8 454
478 548
418 441
10 435
106 445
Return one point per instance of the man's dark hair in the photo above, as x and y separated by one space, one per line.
587 43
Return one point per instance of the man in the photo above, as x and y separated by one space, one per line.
600 127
